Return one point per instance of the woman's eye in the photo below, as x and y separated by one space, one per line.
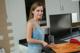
39 10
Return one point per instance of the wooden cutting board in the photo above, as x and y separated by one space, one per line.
65 47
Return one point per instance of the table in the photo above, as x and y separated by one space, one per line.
65 47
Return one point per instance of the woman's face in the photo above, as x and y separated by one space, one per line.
38 12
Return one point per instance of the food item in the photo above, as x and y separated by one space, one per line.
73 40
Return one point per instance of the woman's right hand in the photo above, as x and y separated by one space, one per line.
44 43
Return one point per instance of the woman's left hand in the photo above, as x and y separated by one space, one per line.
44 43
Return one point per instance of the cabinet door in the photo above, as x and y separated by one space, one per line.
52 6
69 6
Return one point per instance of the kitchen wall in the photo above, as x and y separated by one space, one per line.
17 16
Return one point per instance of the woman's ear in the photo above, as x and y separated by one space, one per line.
32 12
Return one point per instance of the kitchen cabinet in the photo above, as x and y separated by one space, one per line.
52 6
61 6
69 6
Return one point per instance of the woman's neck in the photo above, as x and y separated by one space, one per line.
36 20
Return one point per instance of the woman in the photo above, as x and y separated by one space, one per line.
35 35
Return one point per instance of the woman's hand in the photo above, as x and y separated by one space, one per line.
44 43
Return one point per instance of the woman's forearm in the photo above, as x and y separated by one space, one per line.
35 41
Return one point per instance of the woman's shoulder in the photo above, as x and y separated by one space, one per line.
31 21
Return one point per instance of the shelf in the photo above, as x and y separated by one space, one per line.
76 27
76 24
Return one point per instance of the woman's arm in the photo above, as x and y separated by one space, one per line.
29 35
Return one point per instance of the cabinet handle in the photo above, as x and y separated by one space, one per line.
62 8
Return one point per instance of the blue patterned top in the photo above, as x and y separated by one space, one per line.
38 34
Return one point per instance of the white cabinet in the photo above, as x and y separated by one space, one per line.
66 6
69 6
52 6
61 6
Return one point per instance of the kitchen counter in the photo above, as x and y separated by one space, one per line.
65 47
